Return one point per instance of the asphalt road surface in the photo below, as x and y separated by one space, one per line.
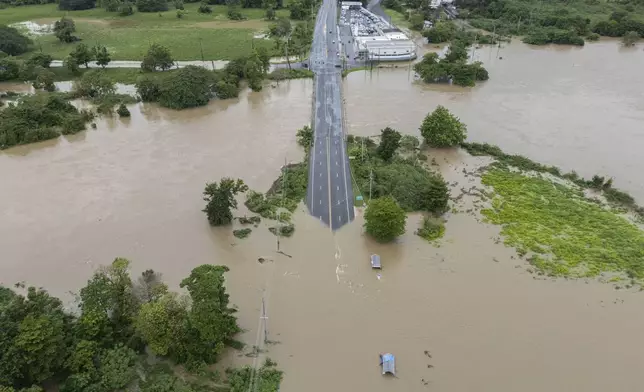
329 193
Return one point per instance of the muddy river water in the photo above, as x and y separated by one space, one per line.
132 188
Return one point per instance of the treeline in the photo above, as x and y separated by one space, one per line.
104 345
194 86
453 68
557 23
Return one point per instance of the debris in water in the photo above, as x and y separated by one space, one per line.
261 260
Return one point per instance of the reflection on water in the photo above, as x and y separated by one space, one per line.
133 189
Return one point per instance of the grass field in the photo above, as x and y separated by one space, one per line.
128 37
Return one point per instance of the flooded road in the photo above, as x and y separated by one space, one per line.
132 188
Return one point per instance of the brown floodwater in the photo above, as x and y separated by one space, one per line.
132 188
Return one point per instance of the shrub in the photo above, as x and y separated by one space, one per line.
442 129
126 9
75 5
157 57
178 4
151 5
94 84
9 69
188 87
630 38
204 8
431 229
45 80
123 111
12 42
148 89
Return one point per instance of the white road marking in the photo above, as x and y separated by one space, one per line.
337 175
320 204
338 188
320 187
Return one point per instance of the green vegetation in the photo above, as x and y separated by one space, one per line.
404 178
555 22
630 38
40 117
453 68
431 228
220 199
157 57
285 73
123 111
442 129
597 183
389 143
384 219
567 234
287 192
268 378
128 37
242 233
285 230
12 42
104 346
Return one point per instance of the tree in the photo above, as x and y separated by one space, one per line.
270 14
126 8
151 5
204 8
102 56
389 143
9 69
416 21
211 322
162 323
82 55
117 367
442 129
233 10
305 137
76 5
64 29
108 305
157 57
442 31
220 199
148 89
384 219
45 80
630 38
40 59
70 63
12 42
32 344
189 87
94 84
299 10
281 28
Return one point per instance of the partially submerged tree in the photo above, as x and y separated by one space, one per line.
630 38
220 198
384 219
305 137
94 84
122 111
443 129
188 87
389 143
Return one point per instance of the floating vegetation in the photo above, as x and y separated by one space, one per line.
242 233
567 234
431 229
250 220
284 231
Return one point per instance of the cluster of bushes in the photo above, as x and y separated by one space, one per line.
446 30
453 68
102 346
12 42
194 86
553 36
40 117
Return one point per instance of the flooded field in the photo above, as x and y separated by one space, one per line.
132 188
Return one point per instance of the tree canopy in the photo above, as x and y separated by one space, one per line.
157 57
442 129
389 143
384 219
12 42
99 348
75 5
220 199
188 87
64 30
151 5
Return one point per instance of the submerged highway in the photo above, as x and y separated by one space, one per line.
329 192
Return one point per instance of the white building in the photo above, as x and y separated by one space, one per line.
374 37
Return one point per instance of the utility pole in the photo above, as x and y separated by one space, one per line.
279 221
201 47
362 155
370 183
265 317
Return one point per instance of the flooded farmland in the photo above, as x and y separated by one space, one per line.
132 188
